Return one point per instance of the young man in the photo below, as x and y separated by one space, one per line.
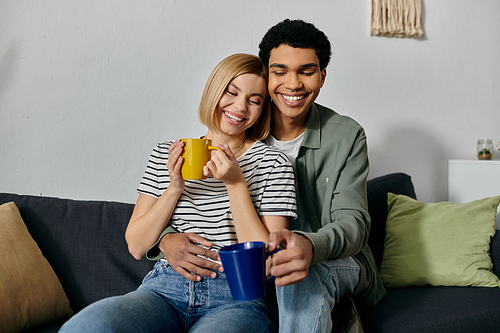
326 254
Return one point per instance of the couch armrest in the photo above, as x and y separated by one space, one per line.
495 253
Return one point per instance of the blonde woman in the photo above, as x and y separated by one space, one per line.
248 194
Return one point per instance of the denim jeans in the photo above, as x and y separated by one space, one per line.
307 306
168 302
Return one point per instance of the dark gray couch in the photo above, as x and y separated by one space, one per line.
84 242
426 309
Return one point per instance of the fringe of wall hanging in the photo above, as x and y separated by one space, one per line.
396 18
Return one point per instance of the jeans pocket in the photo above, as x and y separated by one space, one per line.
154 272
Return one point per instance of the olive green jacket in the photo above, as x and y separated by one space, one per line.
332 169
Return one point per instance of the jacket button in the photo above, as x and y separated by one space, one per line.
327 179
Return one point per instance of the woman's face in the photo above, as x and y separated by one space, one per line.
241 104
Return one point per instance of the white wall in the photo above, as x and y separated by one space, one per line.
87 88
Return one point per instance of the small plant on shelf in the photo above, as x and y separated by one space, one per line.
484 154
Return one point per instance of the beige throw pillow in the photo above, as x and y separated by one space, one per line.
30 292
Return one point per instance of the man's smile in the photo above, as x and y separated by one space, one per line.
294 98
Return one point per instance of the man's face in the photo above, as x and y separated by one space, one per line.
295 80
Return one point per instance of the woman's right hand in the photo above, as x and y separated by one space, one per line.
151 215
174 164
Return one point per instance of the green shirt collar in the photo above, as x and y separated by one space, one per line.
312 136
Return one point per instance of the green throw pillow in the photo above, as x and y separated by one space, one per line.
439 244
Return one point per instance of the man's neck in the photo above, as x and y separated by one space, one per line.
287 129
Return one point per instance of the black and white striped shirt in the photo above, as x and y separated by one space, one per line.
203 207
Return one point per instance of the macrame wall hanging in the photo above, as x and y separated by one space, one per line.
396 18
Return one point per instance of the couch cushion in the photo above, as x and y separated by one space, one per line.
30 293
495 252
84 243
377 189
442 244
435 310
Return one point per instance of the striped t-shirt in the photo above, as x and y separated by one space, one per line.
203 207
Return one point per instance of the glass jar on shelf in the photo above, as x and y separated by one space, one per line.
484 149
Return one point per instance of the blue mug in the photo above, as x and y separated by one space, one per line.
245 268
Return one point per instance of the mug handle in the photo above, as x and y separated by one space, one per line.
272 278
213 148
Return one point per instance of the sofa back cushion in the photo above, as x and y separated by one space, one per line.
495 253
397 183
84 243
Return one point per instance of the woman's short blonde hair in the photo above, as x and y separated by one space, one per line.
219 79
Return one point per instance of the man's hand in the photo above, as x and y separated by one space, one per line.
181 252
290 265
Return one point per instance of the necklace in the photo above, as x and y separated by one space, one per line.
240 146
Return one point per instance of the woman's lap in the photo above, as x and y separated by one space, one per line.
166 301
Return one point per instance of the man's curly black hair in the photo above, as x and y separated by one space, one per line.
299 34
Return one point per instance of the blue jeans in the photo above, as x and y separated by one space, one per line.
168 302
307 306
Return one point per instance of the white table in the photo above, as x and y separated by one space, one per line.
470 180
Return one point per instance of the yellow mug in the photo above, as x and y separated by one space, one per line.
196 154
